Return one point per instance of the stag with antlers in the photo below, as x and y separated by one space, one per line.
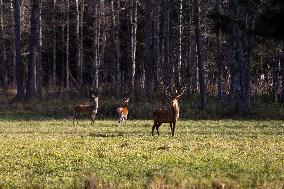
86 109
123 112
169 114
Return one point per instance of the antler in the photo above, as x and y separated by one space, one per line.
180 94
165 90
96 91
167 93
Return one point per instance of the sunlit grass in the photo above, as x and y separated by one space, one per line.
54 153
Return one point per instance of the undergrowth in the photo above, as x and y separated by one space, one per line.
60 106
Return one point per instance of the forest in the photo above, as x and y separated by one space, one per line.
230 49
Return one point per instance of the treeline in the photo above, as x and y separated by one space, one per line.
231 49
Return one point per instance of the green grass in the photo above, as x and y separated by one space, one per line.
40 152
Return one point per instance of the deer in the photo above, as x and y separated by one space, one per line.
168 114
86 109
123 112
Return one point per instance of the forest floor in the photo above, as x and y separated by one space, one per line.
43 152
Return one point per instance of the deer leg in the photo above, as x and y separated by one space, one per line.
93 116
173 130
119 119
124 120
75 117
157 127
153 128
171 125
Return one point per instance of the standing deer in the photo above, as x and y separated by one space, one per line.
167 115
123 112
86 109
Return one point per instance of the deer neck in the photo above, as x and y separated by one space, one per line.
96 104
175 110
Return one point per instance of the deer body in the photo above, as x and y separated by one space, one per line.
123 112
167 115
83 109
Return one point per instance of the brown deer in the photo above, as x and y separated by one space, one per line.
167 114
123 112
86 109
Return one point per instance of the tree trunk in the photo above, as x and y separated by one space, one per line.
95 49
54 40
219 56
189 64
67 44
114 74
9 29
201 70
156 43
33 41
274 78
168 67
3 66
147 54
80 48
81 44
248 71
39 72
180 57
132 43
19 64
282 73
240 73
117 53
250 57
232 61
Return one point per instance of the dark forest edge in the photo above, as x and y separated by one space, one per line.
232 47
59 106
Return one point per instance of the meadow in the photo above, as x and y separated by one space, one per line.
42 152
41 148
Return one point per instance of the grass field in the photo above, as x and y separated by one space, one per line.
43 152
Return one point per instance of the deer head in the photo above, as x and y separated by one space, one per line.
95 91
126 100
174 97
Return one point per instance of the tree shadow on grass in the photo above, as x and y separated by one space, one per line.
31 116
23 116
112 134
